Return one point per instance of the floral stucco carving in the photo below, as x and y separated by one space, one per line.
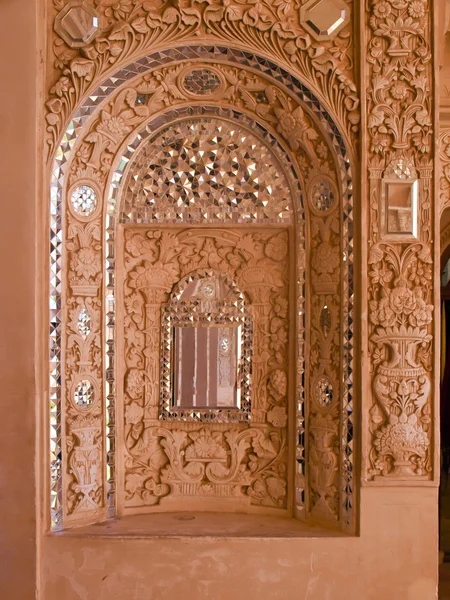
189 459
261 460
400 272
129 28
444 165
163 88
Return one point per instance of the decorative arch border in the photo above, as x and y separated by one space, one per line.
243 59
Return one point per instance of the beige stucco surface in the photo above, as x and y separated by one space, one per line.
395 558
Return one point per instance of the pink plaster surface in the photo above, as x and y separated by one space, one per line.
18 68
394 558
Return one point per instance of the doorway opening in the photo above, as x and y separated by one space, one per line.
444 487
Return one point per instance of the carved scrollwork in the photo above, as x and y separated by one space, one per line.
179 459
444 159
129 28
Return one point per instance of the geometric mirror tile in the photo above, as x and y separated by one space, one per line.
324 18
77 24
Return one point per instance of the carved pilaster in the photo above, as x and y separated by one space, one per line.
400 271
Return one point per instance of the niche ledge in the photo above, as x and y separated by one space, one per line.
201 525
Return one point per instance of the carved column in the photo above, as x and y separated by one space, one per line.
401 228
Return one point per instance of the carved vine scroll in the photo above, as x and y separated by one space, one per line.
130 29
444 165
222 461
400 272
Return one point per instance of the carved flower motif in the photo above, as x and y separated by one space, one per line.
134 385
276 247
277 416
258 16
422 315
280 306
399 90
293 126
134 303
277 384
135 245
61 86
326 258
115 8
134 336
87 263
384 316
382 10
381 275
286 124
113 125
322 150
278 337
420 274
133 482
416 9
283 7
207 444
402 300
134 413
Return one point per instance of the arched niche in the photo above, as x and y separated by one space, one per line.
100 143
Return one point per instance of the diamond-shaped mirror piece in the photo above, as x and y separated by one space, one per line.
77 24
324 18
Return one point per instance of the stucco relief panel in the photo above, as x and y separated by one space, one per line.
125 114
195 459
400 117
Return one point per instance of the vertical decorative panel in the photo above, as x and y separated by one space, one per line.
82 373
400 162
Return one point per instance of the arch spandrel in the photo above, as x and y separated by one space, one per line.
326 65
314 157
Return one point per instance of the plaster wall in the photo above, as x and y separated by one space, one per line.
17 318
394 558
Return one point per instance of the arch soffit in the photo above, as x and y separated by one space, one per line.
292 114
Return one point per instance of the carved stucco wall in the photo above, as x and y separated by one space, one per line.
131 29
89 159
399 86
401 275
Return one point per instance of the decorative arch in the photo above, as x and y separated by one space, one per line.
327 483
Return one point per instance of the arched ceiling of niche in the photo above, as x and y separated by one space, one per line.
205 168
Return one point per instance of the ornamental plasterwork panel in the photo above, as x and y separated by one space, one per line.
127 115
400 119
165 87
219 460
131 28
444 166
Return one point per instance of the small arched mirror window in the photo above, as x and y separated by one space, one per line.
207 348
